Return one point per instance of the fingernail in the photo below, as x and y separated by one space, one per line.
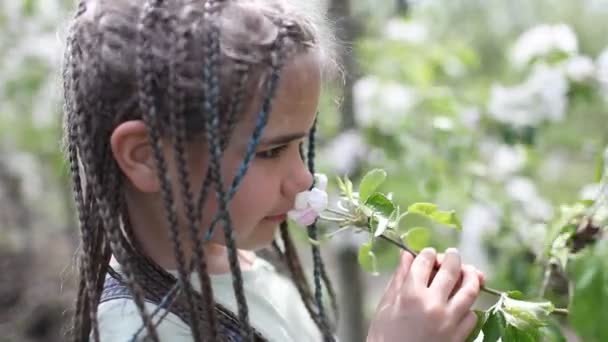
428 250
452 250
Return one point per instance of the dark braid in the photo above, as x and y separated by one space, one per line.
152 15
324 275
295 268
85 290
210 106
108 220
176 98
236 104
318 265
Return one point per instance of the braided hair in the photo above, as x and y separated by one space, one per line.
163 61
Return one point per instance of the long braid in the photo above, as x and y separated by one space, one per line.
176 98
108 220
76 116
146 71
236 104
210 106
324 275
294 265
316 253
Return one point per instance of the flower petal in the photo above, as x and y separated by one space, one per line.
320 181
301 201
318 200
304 217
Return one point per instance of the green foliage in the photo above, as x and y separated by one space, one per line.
589 272
417 238
431 211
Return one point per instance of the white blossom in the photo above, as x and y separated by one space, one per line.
469 117
542 97
542 40
478 220
443 123
524 191
345 151
406 31
310 204
590 191
579 68
382 104
602 70
502 160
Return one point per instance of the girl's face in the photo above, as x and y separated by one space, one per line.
277 172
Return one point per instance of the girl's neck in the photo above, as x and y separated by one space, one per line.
155 243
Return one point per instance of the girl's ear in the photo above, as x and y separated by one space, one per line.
133 154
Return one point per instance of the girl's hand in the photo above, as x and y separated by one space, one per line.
418 306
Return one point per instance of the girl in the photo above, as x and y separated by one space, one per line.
186 122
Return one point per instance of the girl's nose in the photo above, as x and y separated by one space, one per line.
299 179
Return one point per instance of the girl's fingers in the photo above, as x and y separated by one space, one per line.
465 327
448 274
466 295
482 277
405 263
421 269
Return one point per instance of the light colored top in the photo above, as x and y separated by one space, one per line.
275 309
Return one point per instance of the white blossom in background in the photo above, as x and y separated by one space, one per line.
478 220
502 160
383 104
523 191
580 68
443 123
553 165
406 30
590 192
602 70
542 40
344 152
470 117
542 97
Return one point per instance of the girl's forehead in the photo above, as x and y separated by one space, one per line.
295 102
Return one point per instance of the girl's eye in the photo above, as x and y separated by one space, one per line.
272 153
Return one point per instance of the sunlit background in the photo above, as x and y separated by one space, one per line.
496 109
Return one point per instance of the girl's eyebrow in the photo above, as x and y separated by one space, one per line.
282 139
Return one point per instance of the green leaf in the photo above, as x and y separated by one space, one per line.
447 218
513 334
526 315
589 273
367 258
341 185
553 332
380 205
425 209
379 225
370 182
416 238
431 211
602 166
494 326
481 320
349 187
515 294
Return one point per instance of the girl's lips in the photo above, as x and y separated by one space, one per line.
276 218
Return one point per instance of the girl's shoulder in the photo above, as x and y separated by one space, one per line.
119 320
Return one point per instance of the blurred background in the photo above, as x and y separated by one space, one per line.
494 108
